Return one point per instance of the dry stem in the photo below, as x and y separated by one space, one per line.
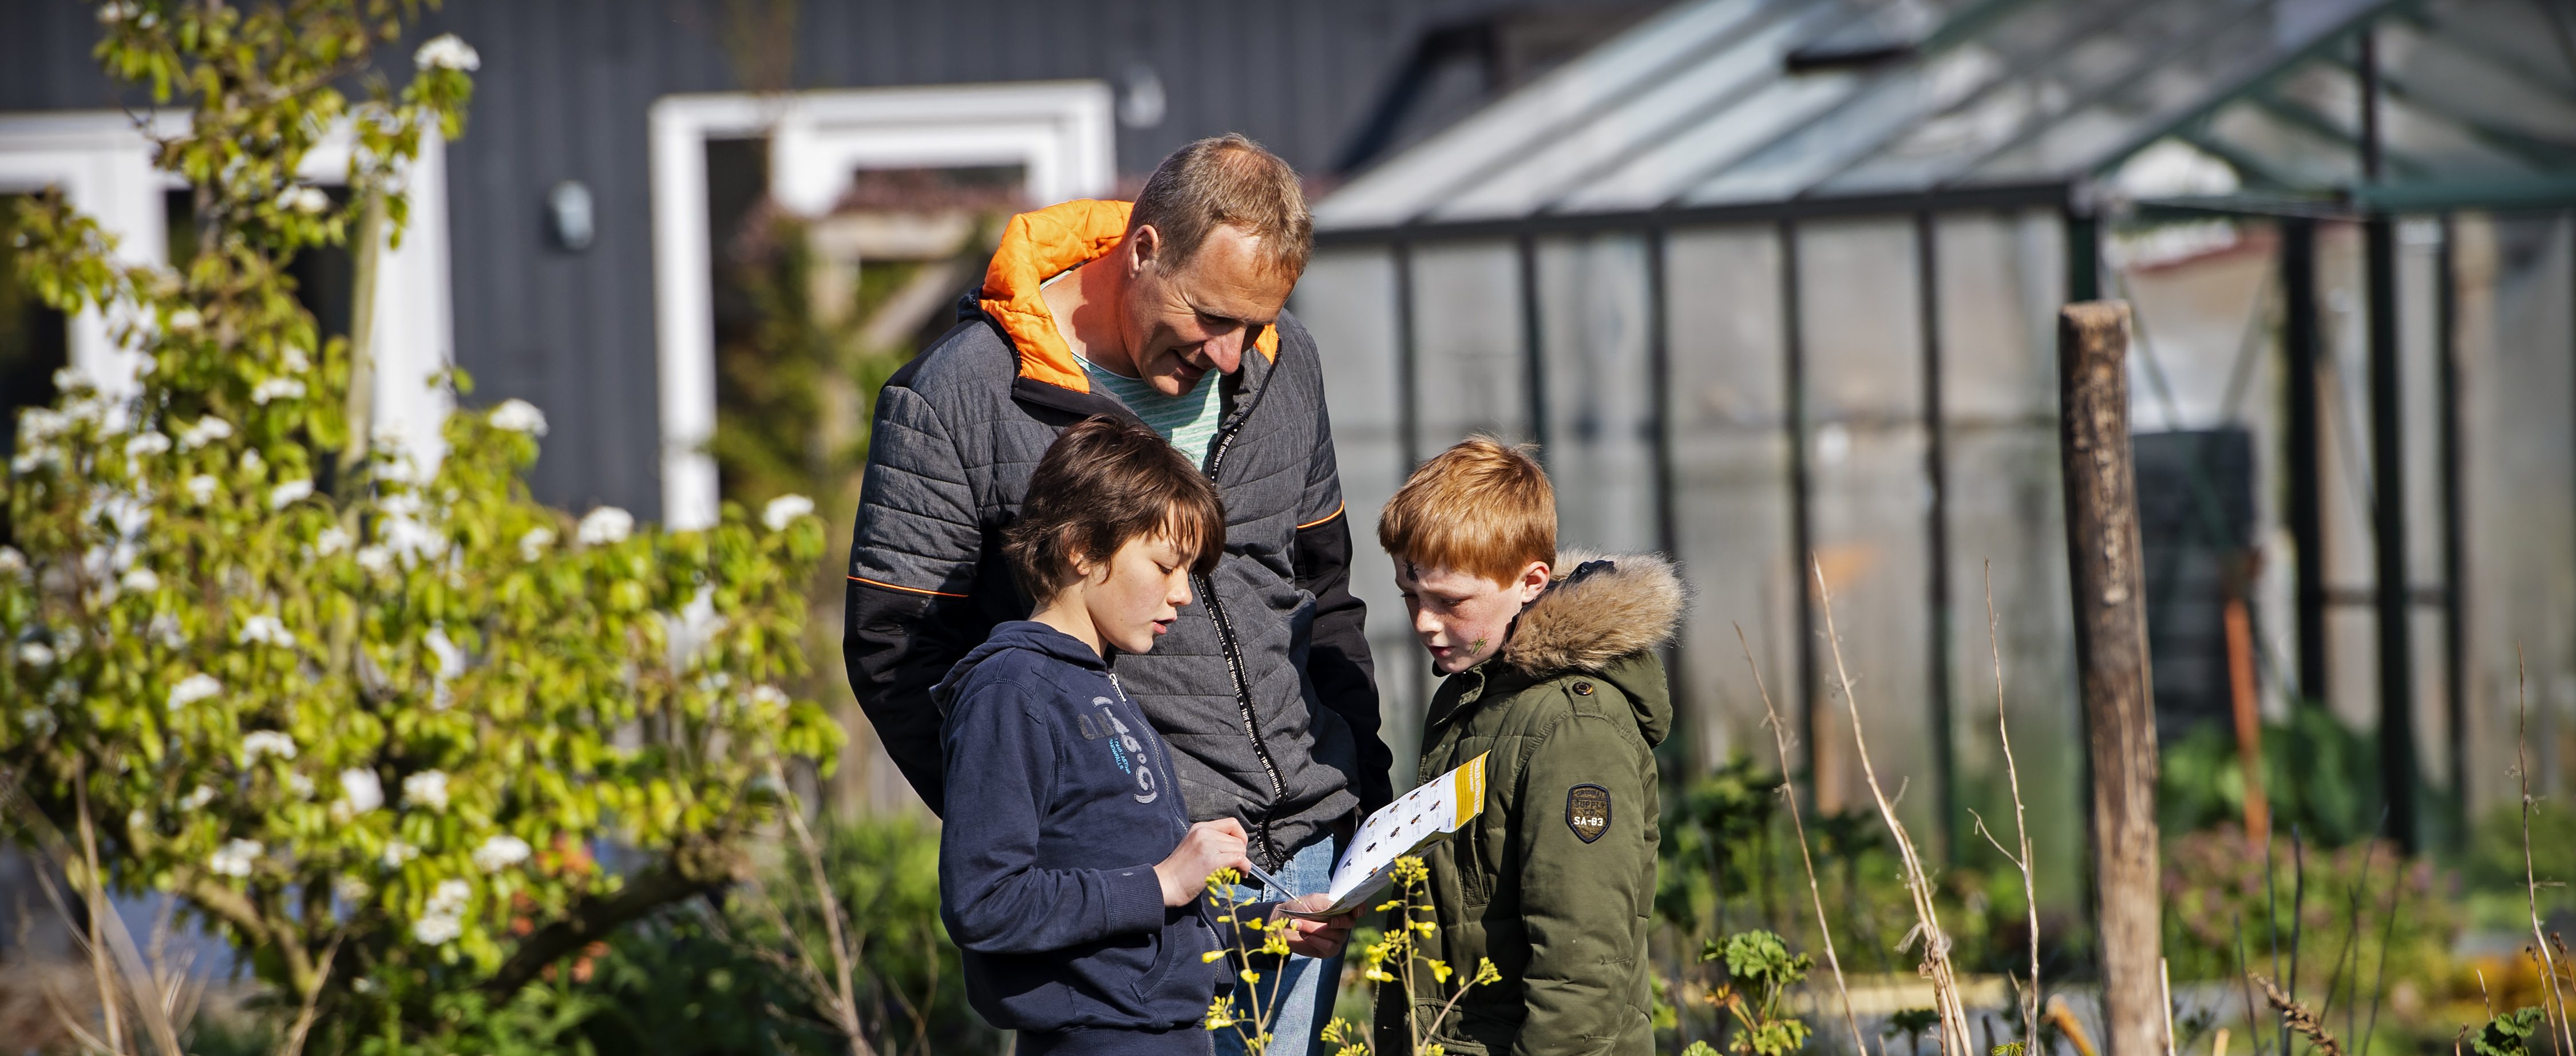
1936 943
845 1006
2298 1018
94 897
2531 882
1789 793
2021 823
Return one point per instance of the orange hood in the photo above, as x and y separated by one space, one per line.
1039 245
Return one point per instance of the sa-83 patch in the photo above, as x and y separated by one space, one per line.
1587 811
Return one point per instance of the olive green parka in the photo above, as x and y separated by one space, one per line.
1555 879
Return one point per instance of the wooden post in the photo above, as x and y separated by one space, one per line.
2111 654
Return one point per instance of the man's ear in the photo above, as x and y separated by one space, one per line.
1144 245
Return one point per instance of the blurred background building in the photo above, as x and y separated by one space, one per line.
1761 277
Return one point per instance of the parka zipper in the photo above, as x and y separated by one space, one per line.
1270 857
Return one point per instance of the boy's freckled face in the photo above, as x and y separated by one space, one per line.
1462 617
1135 598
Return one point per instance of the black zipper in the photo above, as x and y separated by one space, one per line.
1270 857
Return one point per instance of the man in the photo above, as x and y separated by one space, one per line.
1170 312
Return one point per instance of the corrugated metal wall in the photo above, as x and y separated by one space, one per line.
563 92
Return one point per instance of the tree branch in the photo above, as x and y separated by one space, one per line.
592 919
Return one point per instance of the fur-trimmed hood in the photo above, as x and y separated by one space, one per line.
1599 609
1605 616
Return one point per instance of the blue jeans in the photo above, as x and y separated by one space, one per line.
1303 1000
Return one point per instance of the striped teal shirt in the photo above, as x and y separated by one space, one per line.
1188 420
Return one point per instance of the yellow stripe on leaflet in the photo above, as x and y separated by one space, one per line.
1469 789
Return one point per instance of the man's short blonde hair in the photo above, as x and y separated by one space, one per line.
1479 507
1227 180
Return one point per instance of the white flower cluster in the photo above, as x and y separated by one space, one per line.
405 534
447 51
288 493
533 545
201 489
500 852
36 654
139 581
519 416
296 360
427 788
330 541
765 698
260 743
360 791
14 564
117 11
264 629
146 444
444 918
234 858
451 658
207 430
451 665
192 689
197 798
303 199
784 510
397 852
604 526
277 389
186 321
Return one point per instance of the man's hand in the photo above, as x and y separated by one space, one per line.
1316 938
1210 846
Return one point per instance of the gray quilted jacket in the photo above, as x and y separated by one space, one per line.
1264 687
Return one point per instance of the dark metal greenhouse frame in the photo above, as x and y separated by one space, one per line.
2373 205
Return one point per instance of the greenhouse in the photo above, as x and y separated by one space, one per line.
1765 278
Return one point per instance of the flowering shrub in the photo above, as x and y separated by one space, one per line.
366 710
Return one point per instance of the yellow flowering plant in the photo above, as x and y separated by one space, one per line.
1396 957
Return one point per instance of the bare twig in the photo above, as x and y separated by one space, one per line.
1936 943
2021 823
93 887
311 1006
107 932
2351 951
2253 1038
2379 976
2530 879
2297 1017
847 1006
1780 740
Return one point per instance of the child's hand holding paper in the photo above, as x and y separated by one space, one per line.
1416 819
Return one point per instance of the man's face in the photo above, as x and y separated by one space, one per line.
1189 320
1462 617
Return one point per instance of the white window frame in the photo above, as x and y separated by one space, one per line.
1060 132
102 162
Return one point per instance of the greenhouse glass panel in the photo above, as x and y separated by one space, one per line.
2123 87
1599 395
2518 420
1859 317
1471 372
1731 503
2001 278
1347 301
1644 139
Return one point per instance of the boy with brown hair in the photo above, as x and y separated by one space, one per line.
1554 673
1069 873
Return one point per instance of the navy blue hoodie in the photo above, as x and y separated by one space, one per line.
1060 799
